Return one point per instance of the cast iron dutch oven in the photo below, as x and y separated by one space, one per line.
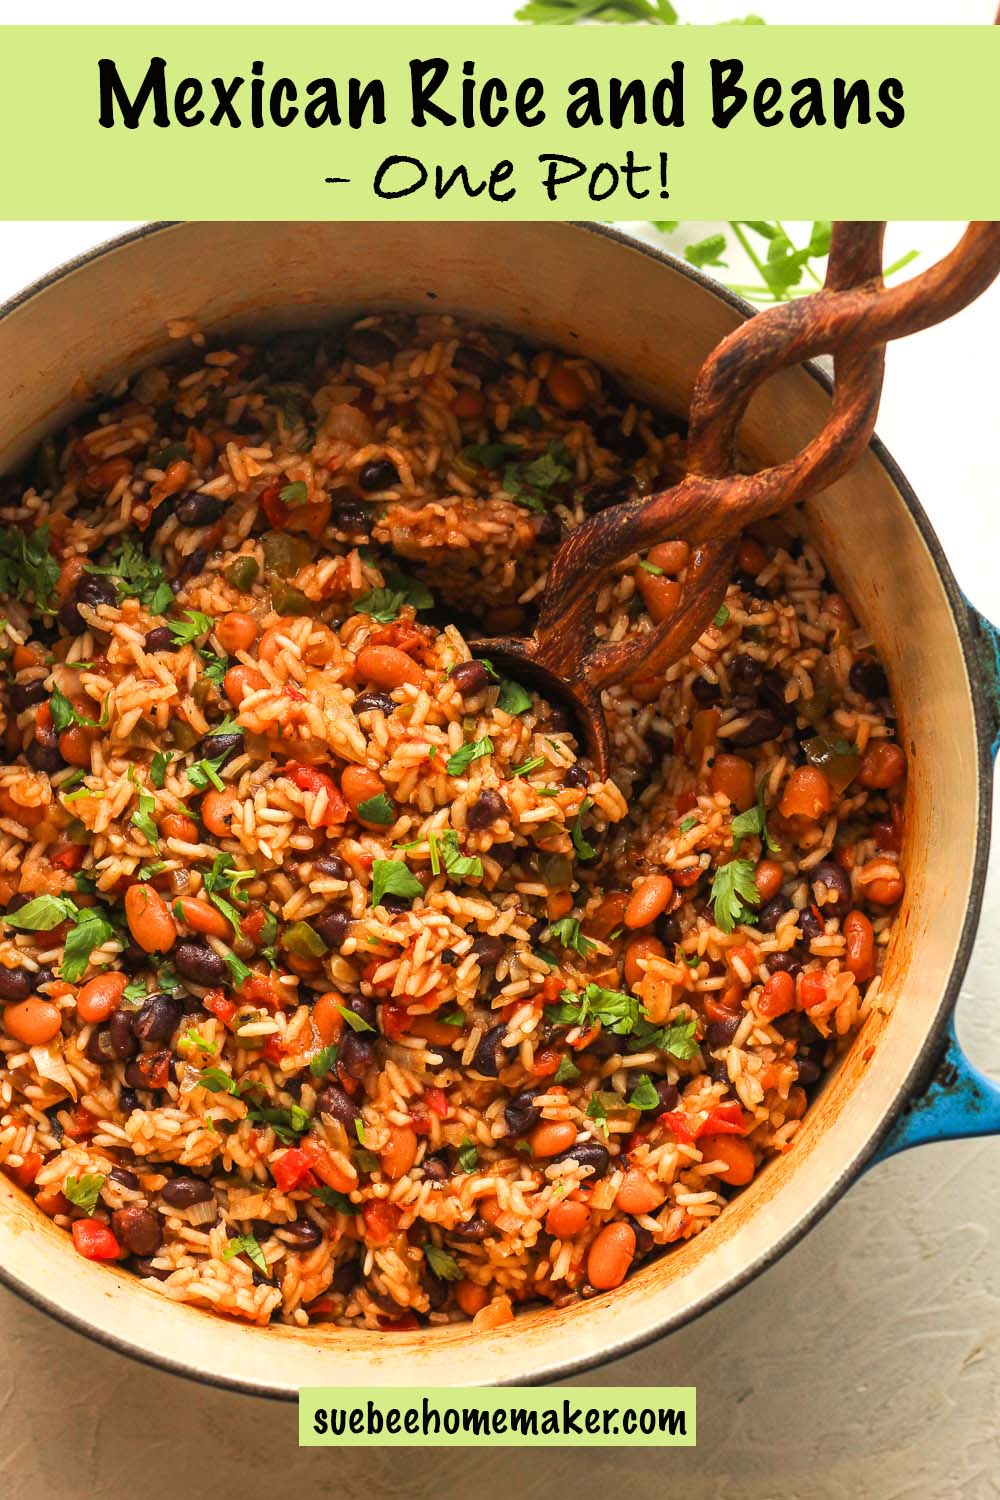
651 321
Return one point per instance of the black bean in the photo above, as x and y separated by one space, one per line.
868 678
439 1057
183 1192
98 1048
301 1234
214 746
720 1033
643 1239
345 1277
192 564
504 854
589 1154
488 808
332 1100
447 956
667 1094
521 1112
124 1178
489 1057
133 958
161 639
472 1231
772 690
43 976
25 694
788 962
157 1020
437 1167
469 677
363 1006
353 517
137 1229
15 984
667 928
145 1268
705 692
374 703
771 914
837 902
199 963
477 362
69 617
94 589
123 1039
331 925
44 758
600 496
396 903
198 509
436 1289
289 353
488 950
809 1071
547 526
630 445
380 474
127 1102
745 672
811 925
367 346
761 725
357 1054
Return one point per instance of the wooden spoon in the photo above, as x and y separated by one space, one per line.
852 318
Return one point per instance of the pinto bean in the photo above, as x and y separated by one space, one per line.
659 593
732 776
400 1152
859 941
736 1154
100 996
149 921
652 896
552 1137
566 1219
768 878
388 667
33 1022
239 681
638 1193
639 948
217 811
358 785
236 631
883 765
201 916
566 388
807 794
610 1256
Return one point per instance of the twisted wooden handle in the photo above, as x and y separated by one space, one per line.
852 318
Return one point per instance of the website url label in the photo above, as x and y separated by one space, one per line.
448 1417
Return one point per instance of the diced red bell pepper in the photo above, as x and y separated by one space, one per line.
724 1119
263 991
25 1174
812 989
94 1240
274 508
547 1061
406 1324
676 1121
396 1020
437 1100
220 1005
381 1220
67 856
420 1120
309 779
293 1169
80 1123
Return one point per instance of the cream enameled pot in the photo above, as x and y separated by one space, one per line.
651 322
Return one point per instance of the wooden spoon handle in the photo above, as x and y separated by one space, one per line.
852 318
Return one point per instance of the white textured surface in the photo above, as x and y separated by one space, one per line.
865 1364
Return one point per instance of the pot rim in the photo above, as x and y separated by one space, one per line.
928 1055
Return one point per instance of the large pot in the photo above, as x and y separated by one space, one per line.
650 321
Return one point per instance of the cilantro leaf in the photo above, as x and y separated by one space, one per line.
390 877
513 698
91 928
442 1263
463 758
246 1244
734 894
377 809
567 931
489 455
143 819
384 604
323 1061
459 866
158 769
42 914
194 624
754 821
528 484
567 1071
583 847
27 567
339 1202
294 494
468 1156
137 576
218 1081
644 1095
354 1021
616 1011
85 1192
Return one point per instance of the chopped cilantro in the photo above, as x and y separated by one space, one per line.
194 624
27 567
754 821
339 1202
158 769
377 809
734 894
384 604
442 1263
323 1060
644 1095
84 1193
390 877
246 1244
468 1156
489 455
721 616
294 494
527 766
138 576
354 1021
567 1071
687 825
513 698
529 483
218 1081
143 819
567 931
463 758
616 1011
583 847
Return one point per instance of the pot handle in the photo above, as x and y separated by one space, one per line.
986 640
958 1101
